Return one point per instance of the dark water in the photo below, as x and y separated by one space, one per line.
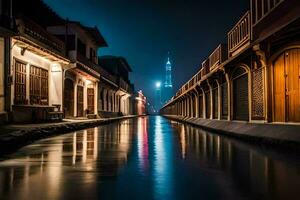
148 158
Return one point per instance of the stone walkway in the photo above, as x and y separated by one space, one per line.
15 136
275 134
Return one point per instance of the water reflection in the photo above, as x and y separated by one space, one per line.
253 172
148 158
45 170
162 163
143 144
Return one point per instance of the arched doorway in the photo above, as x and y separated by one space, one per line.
215 94
80 101
224 97
102 99
69 98
207 98
200 104
286 87
91 100
240 94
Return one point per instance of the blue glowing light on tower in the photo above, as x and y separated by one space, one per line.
168 80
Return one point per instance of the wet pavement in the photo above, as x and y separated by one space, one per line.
148 158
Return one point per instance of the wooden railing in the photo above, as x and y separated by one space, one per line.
198 75
218 56
205 68
125 85
30 29
260 9
240 35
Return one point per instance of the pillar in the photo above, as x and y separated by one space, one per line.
196 105
229 117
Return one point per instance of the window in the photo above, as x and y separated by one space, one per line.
20 83
38 86
81 47
92 55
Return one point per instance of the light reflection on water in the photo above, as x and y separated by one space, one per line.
148 158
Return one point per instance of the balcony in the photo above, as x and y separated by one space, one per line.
198 75
124 85
269 16
33 32
239 37
205 68
261 9
219 55
89 67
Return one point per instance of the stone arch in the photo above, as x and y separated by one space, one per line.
240 92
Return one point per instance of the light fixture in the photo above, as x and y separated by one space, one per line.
158 84
55 68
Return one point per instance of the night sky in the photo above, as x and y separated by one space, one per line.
144 31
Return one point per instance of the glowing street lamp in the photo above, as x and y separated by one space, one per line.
158 85
158 96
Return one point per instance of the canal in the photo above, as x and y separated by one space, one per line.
148 158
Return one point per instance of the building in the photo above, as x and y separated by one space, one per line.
33 61
49 68
140 103
167 90
37 65
117 97
81 81
6 31
255 76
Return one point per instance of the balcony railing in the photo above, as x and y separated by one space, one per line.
240 35
31 30
125 86
94 68
260 9
218 56
205 68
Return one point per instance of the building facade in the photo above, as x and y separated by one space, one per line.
81 81
117 98
6 31
140 104
49 68
36 73
255 76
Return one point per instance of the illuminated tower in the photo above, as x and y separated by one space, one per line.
168 80
168 86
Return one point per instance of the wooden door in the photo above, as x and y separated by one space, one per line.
287 87
207 104
224 96
79 101
240 95
292 65
69 98
215 103
91 100
201 106
279 90
20 83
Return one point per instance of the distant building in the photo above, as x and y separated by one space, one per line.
167 90
140 103
116 90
